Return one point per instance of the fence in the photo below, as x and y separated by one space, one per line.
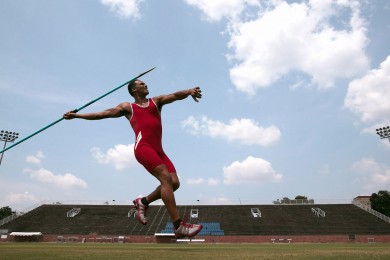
373 212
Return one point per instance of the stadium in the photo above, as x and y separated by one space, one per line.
293 96
278 223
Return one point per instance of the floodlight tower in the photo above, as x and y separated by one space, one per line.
7 137
384 132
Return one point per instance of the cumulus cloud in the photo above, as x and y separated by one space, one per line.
121 156
35 159
124 8
245 131
375 176
323 40
221 200
66 181
369 96
16 198
251 170
217 9
197 181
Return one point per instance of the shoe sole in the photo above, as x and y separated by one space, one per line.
192 234
138 216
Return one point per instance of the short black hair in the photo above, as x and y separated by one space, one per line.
130 86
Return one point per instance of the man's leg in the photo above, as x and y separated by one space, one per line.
165 190
168 183
182 229
156 194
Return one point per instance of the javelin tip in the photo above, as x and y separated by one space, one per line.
140 75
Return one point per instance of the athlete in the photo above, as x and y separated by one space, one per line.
144 116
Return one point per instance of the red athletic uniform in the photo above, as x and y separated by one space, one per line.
146 123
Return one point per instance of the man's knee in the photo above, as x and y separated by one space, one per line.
175 184
165 178
161 173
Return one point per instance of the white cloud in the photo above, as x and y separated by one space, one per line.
221 200
246 131
121 156
17 198
212 182
35 159
195 181
375 176
66 181
324 40
215 10
251 170
198 181
124 8
369 96
296 37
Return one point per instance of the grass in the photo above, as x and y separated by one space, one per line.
193 251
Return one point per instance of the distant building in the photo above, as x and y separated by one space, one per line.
364 200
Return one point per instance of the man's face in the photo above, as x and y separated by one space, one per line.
141 87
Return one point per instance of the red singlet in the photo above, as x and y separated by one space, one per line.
146 123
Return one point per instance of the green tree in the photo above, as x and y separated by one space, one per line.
5 212
381 202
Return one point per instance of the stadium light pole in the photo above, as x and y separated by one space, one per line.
7 137
383 132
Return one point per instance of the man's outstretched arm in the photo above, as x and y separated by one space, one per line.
195 93
118 111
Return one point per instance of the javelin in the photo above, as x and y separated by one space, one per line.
76 110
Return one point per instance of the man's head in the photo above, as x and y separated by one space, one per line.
137 86
131 86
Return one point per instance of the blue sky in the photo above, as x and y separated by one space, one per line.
292 94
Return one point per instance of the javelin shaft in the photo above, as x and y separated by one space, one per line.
76 110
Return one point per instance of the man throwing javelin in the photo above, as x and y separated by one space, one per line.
144 116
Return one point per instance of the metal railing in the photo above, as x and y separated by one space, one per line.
293 202
21 213
373 212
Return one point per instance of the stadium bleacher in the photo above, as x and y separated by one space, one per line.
209 229
220 220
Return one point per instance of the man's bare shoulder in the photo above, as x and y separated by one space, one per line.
159 99
125 103
125 108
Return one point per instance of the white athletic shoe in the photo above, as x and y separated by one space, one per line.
141 211
187 230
